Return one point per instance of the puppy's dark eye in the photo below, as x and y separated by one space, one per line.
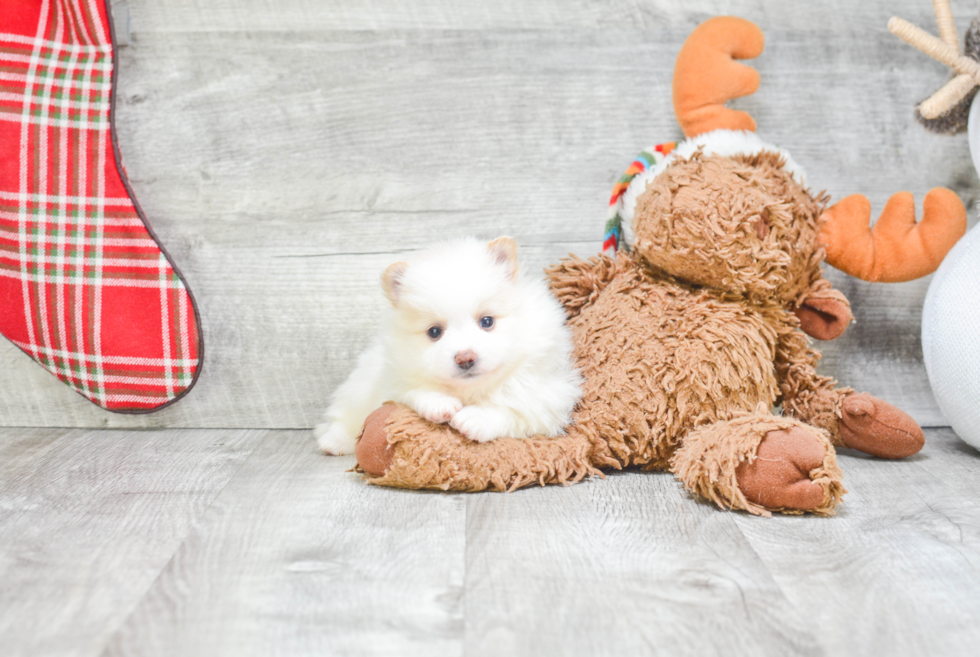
486 323
435 332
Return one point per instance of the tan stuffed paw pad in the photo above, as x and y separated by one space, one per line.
876 427
779 476
373 452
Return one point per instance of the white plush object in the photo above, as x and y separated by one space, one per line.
950 340
950 321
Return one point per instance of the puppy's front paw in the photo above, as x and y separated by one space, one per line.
437 407
479 424
333 439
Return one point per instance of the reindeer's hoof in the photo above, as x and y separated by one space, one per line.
876 427
373 452
779 477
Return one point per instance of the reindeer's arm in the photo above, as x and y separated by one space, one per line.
853 419
804 394
577 282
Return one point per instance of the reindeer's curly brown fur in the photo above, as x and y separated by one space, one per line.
693 328
740 225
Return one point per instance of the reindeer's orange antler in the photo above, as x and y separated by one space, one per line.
896 249
706 75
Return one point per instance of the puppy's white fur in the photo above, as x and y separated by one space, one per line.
521 382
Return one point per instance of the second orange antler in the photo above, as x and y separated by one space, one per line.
706 75
897 248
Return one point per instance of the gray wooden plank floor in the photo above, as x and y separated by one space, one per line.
286 152
204 542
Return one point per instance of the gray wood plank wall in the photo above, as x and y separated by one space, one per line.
286 152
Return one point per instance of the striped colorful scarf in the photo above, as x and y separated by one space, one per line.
650 157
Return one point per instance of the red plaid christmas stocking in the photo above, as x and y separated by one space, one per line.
85 288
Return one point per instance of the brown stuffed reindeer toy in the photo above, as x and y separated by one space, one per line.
697 327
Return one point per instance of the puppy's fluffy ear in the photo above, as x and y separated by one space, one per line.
504 252
391 281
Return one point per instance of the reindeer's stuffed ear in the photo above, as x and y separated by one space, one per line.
824 318
825 313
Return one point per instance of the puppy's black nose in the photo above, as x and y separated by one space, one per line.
465 359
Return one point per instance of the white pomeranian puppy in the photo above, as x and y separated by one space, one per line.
470 340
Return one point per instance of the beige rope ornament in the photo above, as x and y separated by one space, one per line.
945 23
946 50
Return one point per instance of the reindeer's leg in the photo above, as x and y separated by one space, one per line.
856 420
398 448
804 394
761 463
